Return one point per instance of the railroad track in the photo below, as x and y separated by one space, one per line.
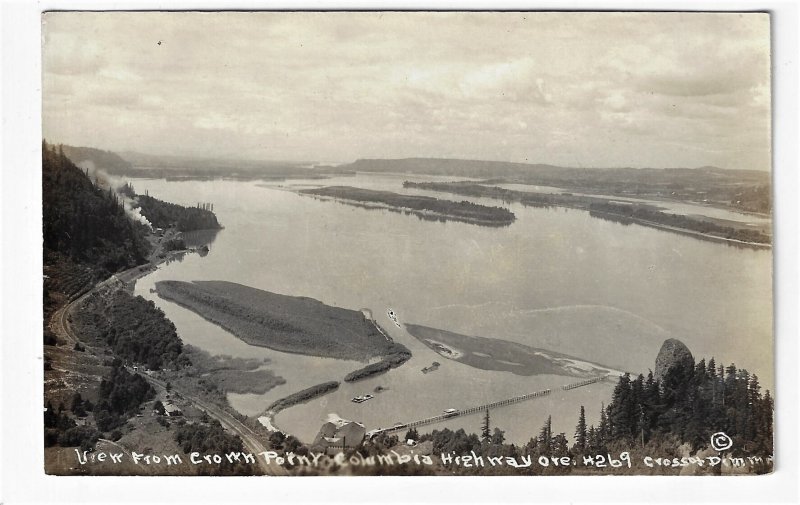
246 434
249 437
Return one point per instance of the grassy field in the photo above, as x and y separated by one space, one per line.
230 375
284 323
502 355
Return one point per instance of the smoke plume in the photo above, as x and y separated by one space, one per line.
106 180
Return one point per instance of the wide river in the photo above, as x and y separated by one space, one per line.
556 279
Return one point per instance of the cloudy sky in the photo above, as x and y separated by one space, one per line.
604 89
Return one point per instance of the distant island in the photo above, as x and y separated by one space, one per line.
422 206
284 323
613 210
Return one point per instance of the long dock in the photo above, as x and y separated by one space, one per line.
472 410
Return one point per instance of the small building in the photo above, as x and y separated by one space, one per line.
172 410
339 435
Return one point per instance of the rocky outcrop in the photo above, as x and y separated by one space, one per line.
673 352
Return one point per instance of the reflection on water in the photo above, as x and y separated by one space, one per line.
199 238
556 279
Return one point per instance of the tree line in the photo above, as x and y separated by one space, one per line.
165 214
689 403
134 328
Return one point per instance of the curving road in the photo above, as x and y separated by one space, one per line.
249 437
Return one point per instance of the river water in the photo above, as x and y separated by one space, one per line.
556 279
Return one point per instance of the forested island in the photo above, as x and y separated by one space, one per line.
619 211
285 323
422 206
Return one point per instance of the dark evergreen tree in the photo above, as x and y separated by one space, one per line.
486 432
622 410
545 440
581 436
604 430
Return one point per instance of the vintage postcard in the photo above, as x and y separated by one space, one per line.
407 243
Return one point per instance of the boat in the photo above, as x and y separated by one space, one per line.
362 399
431 368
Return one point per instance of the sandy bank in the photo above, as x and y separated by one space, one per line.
502 355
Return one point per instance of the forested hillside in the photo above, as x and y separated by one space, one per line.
87 235
84 222
690 404
671 417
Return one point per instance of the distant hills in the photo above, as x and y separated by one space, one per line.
135 164
746 190
495 169
109 162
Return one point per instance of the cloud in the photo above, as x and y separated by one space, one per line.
338 86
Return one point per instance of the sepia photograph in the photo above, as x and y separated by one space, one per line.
412 252
407 243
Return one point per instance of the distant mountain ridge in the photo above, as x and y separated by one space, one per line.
109 162
487 168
